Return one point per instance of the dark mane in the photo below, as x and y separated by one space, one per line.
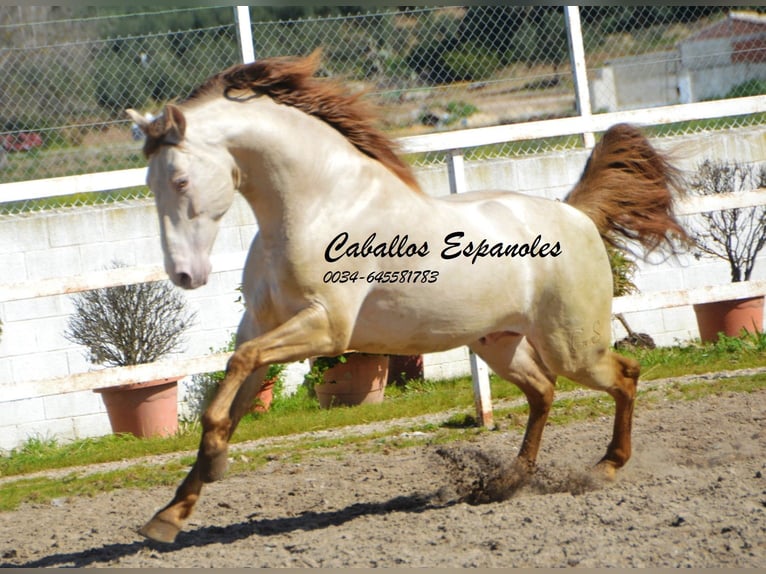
291 81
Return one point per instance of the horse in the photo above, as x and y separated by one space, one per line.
352 255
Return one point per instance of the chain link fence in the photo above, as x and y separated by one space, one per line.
69 75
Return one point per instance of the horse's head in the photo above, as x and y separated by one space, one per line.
193 181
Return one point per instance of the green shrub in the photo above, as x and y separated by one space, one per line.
203 386
754 87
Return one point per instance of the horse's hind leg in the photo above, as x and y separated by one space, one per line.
625 372
618 376
513 358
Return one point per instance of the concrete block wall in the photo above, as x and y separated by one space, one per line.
37 246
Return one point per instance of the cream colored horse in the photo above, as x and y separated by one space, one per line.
351 255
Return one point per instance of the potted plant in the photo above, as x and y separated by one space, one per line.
131 325
348 379
734 235
623 271
203 386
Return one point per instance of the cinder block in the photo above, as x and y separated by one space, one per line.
239 213
38 366
23 411
91 425
71 405
14 266
294 374
147 250
5 370
62 430
131 222
36 308
60 262
102 255
9 438
228 241
50 334
77 361
447 364
219 312
76 228
20 234
19 338
679 319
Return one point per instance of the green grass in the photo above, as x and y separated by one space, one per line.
727 353
300 413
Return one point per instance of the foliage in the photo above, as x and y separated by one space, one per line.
300 413
752 87
542 38
623 270
306 420
203 386
734 235
460 109
320 365
726 353
152 73
129 324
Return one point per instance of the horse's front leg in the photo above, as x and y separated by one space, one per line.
304 335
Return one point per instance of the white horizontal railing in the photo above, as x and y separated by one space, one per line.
113 376
441 141
475 137
683 297
71 184
33 288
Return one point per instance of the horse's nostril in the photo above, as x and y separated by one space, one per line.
184 280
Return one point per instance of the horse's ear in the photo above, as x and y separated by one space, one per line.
175 125
138 119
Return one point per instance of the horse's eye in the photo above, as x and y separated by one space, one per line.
181 184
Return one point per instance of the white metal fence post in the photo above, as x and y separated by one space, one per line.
579 70
244 34
482 396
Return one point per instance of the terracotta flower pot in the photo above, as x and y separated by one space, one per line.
360 380
729 317
143 409
403 368
264 397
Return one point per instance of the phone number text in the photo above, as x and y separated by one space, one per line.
406 276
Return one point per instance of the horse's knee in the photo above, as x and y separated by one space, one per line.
629 367
625 377
213 449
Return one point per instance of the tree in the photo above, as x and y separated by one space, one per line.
734 235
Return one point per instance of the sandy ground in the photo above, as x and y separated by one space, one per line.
694 494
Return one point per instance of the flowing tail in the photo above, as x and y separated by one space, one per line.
627 189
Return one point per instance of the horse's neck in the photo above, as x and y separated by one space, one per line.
297 168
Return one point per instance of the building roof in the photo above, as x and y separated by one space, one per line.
736 23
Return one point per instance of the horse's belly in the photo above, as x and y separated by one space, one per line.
423 321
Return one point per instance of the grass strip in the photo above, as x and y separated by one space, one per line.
566 410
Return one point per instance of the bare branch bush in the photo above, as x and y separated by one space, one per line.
129 324
734 235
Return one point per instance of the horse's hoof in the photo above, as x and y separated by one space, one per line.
159 530
605 470
214 467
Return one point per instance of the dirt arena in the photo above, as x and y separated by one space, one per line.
693 495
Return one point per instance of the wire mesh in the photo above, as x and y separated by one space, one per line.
69 75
